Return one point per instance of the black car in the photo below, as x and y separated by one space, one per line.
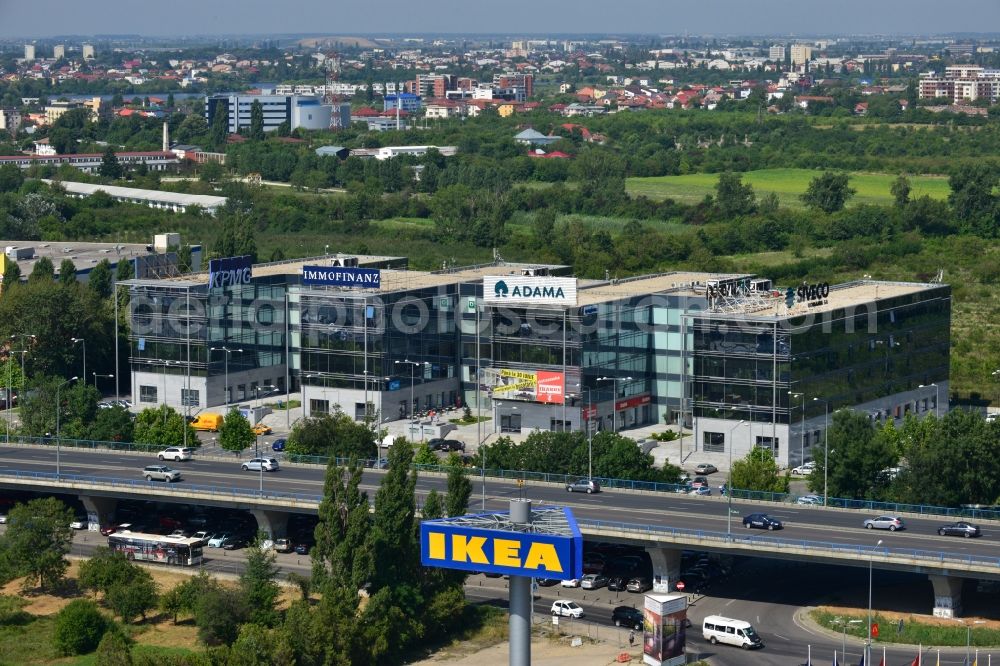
617 583
235 543
761 521
439 444
302 549
961 528
547 582
626 616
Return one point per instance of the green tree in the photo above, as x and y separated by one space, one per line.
67 272
972 199
857 457
11 178
254 646
115 649
220 125
393 535
171 602
79 627
900 190
100 280
11 275
828 192
423 455
433 506
257 583
256 121
210 172
236 433
758 471
124 270
36 543
110 166
218 613
104 569
133 598
459 491
162 426
733 197
115 424
342 557
42 271
336 435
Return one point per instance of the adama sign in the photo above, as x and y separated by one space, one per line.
230 271
450 545
525 290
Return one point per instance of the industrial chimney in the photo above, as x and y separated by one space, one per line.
166 138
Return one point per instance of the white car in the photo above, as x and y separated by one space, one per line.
3 519
567 608
804 469
78 524
809 500
570 582
258 464
175 453
218 541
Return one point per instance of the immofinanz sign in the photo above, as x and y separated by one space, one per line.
526 290
338 276
230 271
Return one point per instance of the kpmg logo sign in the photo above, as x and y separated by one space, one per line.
230 271
525 290
337 276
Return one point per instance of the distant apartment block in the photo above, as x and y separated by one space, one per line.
776 53
10 120
29 52
56 109
88 52
524 82
962 83
58 51
404 101
801 54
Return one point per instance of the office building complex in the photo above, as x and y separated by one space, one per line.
305 112
741 363
962 83
801 54
776 53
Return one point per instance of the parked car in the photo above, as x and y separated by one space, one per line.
809 500
961 528
261 429
301 549
570 582
547 582
626 616
278 445
235 543
584 486
566 608
593 581
761 521
706 468
699 481
161 473
440 444
3 519
79 523
617 583
203 536
219 540
639 584
891 523
257 464
804 469
175 453
701 490
283 545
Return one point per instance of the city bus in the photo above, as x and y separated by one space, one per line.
181 551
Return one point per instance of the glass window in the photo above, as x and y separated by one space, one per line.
714 442
319 406
190 397
147 394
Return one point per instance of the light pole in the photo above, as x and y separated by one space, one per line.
35 337
413 365
228 352
937 397
95 375
802 427
868 640
590 433
58 409
968 640
614 399
843 638
826 445
304 403
271 388
729 491
84 345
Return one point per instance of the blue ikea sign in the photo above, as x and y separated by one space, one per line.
337 276
446 544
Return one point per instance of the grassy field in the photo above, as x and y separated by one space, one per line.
788 184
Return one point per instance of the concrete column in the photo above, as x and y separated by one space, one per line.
520 598
947 595
100 511
666 568
273 523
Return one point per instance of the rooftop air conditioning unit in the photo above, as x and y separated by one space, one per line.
345 262
537 271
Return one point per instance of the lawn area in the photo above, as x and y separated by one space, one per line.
788 184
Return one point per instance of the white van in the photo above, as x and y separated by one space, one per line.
718 629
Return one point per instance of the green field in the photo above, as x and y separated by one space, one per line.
788 184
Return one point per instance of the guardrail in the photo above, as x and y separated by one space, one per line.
545 477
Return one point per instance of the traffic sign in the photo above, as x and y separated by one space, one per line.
874 629
680 586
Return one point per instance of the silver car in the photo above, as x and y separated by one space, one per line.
891 523
259 464
584 486
161 473
176 453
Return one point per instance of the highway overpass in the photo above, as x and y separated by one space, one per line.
665 524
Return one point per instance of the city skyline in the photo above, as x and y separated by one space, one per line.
185 17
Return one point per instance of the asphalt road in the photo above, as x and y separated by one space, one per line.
662 510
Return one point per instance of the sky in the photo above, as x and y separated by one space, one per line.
42 18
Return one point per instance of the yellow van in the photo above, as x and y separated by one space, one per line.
207 421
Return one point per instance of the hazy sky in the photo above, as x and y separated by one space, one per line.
40 18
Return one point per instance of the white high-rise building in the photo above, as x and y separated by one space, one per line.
776 53
58 51
29 52
801 54
88 51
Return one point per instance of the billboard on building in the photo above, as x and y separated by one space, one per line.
664 629
529 290
230 271
340 276
460 543
531 386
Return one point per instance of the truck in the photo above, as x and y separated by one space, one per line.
208 421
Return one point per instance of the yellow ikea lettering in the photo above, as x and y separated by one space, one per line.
435 545
505 553
543 555
469 549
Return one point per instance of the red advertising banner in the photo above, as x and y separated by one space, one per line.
635 401
551 387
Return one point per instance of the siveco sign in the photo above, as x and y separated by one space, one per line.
337 276
506 552
230 271
523 290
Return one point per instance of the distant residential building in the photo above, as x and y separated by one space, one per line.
388 152
961 83
10 120
88 52
524 82
91 162
434 85
333 151
776 53
58 52
42 147
56 109
385 123
961 50
577 109
29 52
801 54
532 137
305 112
404 101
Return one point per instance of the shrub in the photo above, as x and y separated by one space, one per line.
79 627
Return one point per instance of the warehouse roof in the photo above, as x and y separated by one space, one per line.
206 201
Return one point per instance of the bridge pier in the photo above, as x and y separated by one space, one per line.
100 511
666 567
273 523
947 595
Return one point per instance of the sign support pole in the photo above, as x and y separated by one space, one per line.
520 597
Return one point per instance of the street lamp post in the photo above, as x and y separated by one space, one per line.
937 397
614 399
590 433
228 352
968 640
729 491
843 637
271 388
826 445
96 376
413 365
58 409
304 403
32 336
868 640
802 427
84 345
